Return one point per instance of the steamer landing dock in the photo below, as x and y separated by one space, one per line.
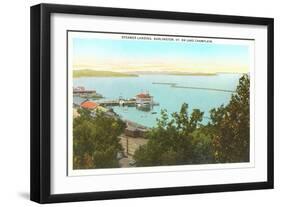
95 102
125 102
143 99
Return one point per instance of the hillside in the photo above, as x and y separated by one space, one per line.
96 73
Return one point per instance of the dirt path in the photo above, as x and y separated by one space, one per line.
130 145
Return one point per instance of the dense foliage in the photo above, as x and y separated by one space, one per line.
176 141
181 139
95 141
231 126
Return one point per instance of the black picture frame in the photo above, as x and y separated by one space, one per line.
41 102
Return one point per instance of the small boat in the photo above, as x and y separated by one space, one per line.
154 112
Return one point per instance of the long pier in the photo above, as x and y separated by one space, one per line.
174 85
121 102
117 102
87 94
83 91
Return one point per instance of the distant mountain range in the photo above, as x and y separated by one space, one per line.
96 73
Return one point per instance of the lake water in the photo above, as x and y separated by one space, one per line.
169 98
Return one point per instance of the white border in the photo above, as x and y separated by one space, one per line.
61 183
71 172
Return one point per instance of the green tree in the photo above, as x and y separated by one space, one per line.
95 140
175 141
231 126
181 139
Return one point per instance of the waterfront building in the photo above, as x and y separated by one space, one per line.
90 105
144 99
134 129
135 132
83 93
78 89
75 113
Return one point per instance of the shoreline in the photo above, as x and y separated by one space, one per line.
87 73
96 73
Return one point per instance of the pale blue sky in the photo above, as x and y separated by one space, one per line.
142 51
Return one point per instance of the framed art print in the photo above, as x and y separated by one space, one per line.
132 103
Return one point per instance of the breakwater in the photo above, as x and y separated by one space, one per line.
174 85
